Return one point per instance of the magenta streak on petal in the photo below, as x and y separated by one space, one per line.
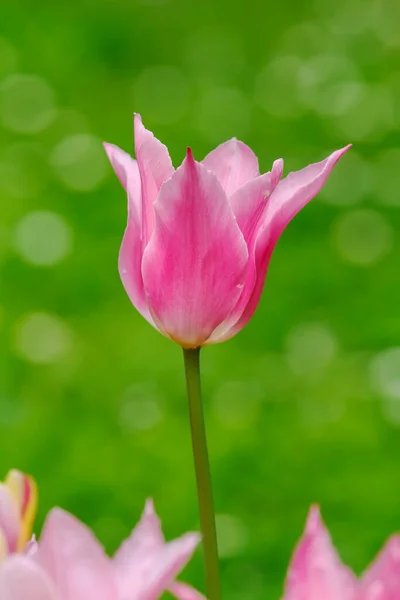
194 265
289 197
233 163
155 167
130 255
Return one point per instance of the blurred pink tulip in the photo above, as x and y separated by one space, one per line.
199 238
70 564
18 504
317 573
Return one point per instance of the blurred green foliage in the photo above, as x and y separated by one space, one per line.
304 405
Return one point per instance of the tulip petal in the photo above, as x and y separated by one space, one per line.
316 572
170 561
289 197
9 518
194 265
250 200
24 491
132 559
249 204
182 591
130 255
155 167
233 163
381 581
22 579
74 559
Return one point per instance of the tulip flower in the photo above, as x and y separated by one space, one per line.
199 238
316 571
18 503
70 564
195 254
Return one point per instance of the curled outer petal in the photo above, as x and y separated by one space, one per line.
131 251
194 265
290 196
155 167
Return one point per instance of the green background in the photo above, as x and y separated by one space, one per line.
303 405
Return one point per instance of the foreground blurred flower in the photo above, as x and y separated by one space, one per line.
18 504
199 238
317 573
70 564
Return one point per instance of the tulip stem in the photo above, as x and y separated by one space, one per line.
203 475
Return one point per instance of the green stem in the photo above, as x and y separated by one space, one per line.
203 476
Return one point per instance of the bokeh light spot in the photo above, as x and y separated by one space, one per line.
372 115
43 238
27 103
232 535
385 373
42 338
350 183
140 408
310 348
80 162
363 237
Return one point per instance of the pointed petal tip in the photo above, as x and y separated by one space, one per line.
314 520
149 509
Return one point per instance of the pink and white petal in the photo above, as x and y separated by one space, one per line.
22 579
155 167
9 518
132 559
131 251
249 204
194 265
289 197
170 561
130 268
74 559
233 163
183 591
381 581
250 200
316 571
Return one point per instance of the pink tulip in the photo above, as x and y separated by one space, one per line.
317 573
18 502
70 564
199 238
